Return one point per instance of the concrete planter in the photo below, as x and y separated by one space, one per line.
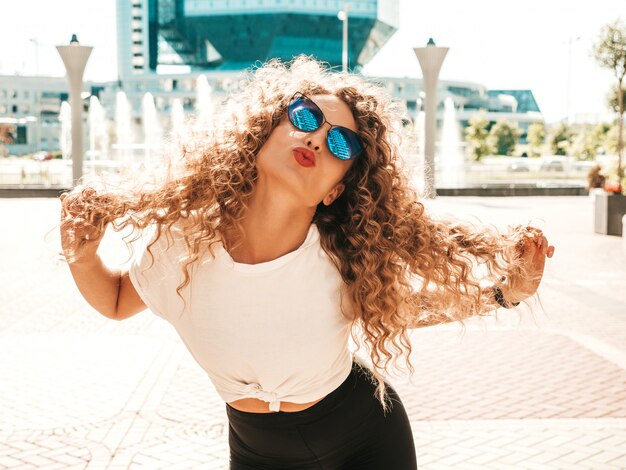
609 210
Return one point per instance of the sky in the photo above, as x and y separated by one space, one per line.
497 43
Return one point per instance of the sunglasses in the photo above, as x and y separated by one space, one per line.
306 116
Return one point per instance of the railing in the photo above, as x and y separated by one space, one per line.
494 171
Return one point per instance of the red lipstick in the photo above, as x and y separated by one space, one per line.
304 156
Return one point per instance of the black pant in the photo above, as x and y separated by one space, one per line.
344 431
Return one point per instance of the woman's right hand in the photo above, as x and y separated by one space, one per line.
79 238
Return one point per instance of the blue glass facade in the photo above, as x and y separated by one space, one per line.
233 34
525 99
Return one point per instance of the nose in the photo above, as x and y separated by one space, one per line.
315 140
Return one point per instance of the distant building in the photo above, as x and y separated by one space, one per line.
165 45
32 105
156 36
516 106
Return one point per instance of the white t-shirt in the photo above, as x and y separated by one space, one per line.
273 331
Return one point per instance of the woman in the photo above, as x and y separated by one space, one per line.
283 231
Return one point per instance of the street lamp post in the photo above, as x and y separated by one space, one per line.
569 77
430 58
75 59
37 99
343 16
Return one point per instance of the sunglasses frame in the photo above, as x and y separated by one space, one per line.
299 95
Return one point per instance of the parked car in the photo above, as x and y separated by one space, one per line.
41 156
552 164
519 167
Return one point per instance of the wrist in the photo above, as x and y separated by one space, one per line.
84 255
504 295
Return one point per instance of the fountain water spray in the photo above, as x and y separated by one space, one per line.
98 136
178 120
151 128
65 140
204 101
451 161
123 127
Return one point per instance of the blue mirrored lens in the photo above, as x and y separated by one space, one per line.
304 118
344 143
339 144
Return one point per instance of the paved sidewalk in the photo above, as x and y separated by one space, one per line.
540 390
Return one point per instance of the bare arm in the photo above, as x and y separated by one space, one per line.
533 250
108 291
431 313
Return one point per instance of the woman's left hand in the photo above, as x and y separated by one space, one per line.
533 249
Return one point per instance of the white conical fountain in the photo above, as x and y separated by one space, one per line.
177 120
450 160
123 128
204 101
151 128
98 136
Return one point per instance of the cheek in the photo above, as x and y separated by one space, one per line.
277 140
337 169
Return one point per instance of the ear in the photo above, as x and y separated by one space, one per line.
333 194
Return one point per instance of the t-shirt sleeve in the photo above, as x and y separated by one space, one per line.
156 277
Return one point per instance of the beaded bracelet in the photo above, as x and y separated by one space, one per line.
497 293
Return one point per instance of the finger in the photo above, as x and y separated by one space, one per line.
534 231
550 252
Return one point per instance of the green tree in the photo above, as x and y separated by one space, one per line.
536 136
585 142
503 137
559 139
476 135
610 52
611 140
600 131
612 100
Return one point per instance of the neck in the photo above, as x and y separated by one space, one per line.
273 226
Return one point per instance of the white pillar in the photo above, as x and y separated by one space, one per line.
430 58
343 16
75 59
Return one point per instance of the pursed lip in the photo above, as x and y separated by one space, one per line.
306 153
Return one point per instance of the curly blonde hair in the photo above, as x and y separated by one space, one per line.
402 269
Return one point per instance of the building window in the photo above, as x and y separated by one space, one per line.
19 136
3 109
14 108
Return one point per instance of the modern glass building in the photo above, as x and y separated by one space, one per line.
165 46
185 35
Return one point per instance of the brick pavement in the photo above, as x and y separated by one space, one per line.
541 390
